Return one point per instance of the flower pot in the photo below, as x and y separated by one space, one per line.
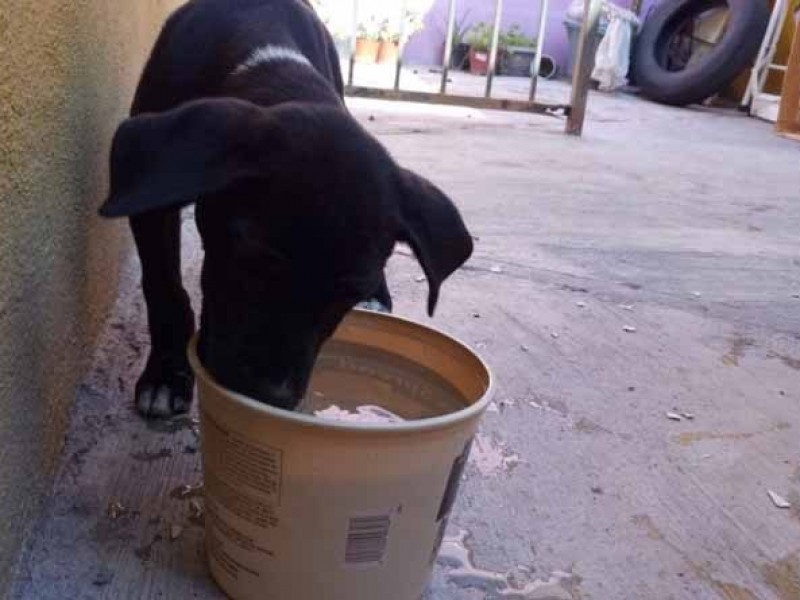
516 61
387 52
366 50
478 61
459 60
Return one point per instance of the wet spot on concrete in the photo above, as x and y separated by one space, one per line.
783 576
726 590
789 361
646 524
584 425
691 437
738 347
731 591
456 559
149 457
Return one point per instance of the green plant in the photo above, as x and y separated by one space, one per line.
480 37
372 28
514 36
461 29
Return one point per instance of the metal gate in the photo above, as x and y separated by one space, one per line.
575 110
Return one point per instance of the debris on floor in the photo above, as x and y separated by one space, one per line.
103 577
188 491
491 457
629 329
496 269
195 510
581 304
115 510
628 307
420 278
175 532
674 416
778 500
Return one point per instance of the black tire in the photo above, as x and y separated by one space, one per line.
736 50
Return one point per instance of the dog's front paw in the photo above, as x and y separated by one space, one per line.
166 387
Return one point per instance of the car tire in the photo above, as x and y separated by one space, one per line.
735 51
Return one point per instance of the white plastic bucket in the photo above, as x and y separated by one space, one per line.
300 508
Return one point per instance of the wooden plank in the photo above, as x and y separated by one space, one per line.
789 115
454 100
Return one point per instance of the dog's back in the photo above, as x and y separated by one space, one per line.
204 41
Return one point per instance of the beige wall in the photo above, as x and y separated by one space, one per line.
67 73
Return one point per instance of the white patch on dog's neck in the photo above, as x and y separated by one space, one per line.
267 54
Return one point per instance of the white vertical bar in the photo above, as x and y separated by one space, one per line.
448 46
537 61
498 15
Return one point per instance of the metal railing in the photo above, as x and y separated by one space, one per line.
575 111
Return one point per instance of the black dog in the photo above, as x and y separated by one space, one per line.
240 109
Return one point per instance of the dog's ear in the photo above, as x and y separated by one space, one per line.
172 158
432 226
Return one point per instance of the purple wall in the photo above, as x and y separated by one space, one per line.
426 46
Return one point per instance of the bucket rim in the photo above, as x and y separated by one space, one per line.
473 411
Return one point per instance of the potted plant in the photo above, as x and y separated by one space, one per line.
368 40
480 41
518 53
389 35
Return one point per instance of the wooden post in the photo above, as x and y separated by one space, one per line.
582 72
789 115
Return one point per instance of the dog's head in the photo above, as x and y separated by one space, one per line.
298 209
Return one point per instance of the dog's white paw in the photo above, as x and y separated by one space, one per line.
159 403
374 306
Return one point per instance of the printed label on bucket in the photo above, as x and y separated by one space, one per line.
230 548
242 463
367 540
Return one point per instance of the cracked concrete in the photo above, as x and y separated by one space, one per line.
680 223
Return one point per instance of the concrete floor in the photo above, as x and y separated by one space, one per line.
680 223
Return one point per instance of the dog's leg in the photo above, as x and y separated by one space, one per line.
381 300
167 384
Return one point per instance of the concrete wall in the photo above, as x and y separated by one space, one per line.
426 46
67 77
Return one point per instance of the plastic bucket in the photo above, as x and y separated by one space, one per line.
300 508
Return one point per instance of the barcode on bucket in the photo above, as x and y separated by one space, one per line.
367 538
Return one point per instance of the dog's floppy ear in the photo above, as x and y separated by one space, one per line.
432 226
172 158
